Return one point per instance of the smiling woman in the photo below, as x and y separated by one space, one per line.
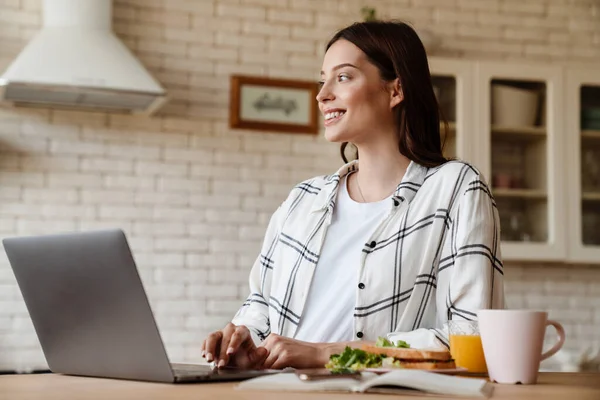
395 243
367 79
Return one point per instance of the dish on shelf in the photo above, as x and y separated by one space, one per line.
512 106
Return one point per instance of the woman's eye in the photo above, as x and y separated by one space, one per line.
340 78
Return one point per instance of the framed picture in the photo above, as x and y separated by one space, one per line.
273 104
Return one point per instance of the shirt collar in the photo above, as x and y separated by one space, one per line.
405 191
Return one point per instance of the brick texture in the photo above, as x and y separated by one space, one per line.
194 196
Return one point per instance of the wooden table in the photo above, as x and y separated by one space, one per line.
564 386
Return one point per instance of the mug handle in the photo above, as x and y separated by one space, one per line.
561 339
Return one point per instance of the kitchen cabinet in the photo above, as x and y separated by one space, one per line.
582 144
453 84
519 134
533 130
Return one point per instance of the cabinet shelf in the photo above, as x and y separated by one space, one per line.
590 196
524 133
531 194
591 134
451 128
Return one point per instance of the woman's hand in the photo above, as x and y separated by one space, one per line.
286 352
233 346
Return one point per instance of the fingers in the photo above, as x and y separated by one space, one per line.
281 362
239 336
258 357
212 342
233 345
269 344
270 359
233 337
223 359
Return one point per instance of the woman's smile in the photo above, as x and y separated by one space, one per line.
333 116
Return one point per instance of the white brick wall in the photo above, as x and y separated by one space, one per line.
167 181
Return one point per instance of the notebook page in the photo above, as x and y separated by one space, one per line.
430 382
290 382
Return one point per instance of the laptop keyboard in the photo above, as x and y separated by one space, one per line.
190 369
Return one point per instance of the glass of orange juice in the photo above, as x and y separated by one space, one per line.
465 345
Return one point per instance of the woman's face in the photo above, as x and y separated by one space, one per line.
354 100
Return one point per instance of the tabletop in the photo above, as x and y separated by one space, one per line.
570 386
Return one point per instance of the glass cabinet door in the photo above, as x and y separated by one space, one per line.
452 84
583 144
519 139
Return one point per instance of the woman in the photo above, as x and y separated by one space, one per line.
393 245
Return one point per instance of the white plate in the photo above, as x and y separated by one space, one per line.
436 371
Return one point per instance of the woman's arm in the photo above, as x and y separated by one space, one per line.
473 278
237 342
286 352
254 312
470 273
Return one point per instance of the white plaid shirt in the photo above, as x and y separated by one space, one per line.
435 256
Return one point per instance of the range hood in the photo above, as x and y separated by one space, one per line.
77 62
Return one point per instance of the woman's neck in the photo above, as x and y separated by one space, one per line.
381 168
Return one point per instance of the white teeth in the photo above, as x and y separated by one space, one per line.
334 114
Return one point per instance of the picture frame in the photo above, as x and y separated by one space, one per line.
267 104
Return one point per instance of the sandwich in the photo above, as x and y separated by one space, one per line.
385 355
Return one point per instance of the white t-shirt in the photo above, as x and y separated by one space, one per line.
329 312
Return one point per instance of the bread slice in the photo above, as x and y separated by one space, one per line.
409 354
428 365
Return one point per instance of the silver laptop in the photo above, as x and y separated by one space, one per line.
90 311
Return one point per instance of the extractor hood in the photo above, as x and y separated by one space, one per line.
77 62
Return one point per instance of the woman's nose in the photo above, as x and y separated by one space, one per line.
324 94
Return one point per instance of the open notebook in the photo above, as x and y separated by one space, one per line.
390 382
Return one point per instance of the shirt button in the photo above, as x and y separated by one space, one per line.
373 244
396 203
359 335
361 285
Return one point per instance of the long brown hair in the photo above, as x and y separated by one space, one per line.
396 50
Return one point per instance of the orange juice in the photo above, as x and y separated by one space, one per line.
467 352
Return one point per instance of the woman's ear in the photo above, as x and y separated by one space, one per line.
396 95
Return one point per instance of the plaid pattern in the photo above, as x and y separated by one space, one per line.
434 257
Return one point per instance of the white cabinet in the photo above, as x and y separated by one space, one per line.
534 132
582 144
519 137
453 84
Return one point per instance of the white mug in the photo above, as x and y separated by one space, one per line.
512 343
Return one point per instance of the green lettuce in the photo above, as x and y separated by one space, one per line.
383 342
391 362
353 359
